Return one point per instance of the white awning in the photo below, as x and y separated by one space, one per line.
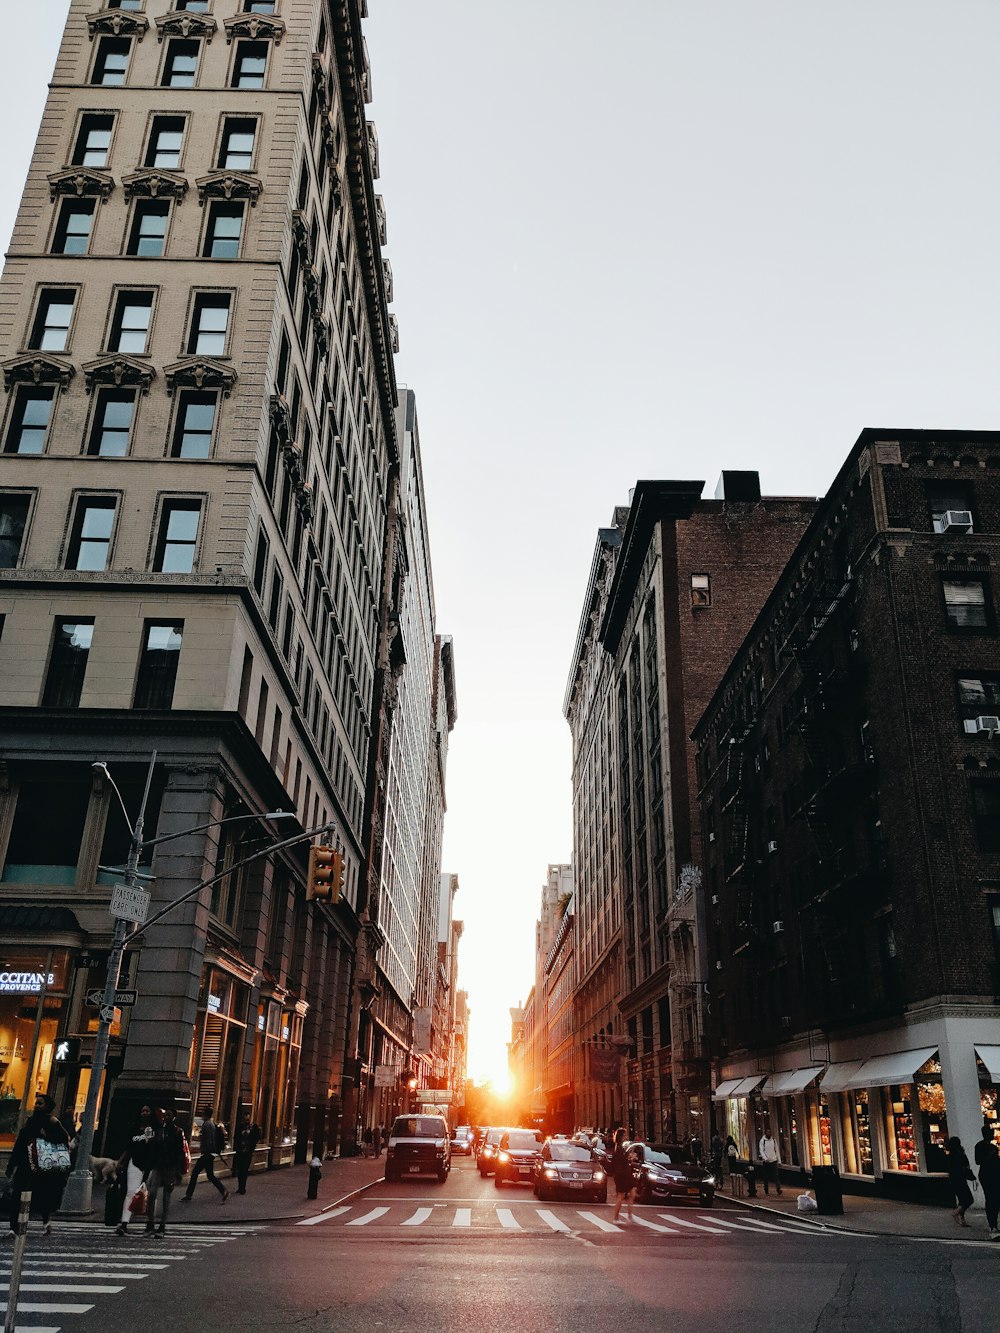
725 1090
838 1077
990 1056
747 1085
900 1067
790 1082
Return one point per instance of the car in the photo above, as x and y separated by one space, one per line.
570 1170
461 1140
419 1145
488 1149
665 1171
517 1157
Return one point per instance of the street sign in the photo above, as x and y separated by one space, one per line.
129 904
124 999
89 960
108 1013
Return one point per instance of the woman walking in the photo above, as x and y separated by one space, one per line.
621 1174
959 1175
135 1161
988 1161
46 1186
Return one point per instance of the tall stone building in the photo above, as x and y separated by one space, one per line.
675 584
199 459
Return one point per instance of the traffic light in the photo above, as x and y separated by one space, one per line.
319 882
337 880
67 1051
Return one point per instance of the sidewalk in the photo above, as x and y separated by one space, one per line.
869 1216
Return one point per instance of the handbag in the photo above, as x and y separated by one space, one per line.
187 1154
137 1203
50 1156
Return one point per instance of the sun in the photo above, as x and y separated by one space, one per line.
503 1084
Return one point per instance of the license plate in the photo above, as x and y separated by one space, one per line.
524 1170
414 1170
694 1192
576 1184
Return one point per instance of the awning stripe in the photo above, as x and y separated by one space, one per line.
990 1056
790 1082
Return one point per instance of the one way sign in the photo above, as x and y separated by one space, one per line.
123 998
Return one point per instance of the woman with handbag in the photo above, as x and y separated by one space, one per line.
136 1161
39 1162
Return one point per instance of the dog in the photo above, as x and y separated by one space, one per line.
105 1169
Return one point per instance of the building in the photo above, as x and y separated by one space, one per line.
850 786
558 988
675 583
200 460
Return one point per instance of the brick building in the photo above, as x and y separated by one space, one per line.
850 790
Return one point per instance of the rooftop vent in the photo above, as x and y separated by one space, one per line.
738 487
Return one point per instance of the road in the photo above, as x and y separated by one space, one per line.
464 1257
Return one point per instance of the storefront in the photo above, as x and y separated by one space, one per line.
34 993
789 1126
218 1047
733 1106
988 1075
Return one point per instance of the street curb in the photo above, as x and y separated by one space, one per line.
811 1220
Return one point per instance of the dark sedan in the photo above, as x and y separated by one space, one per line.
570 1170
665 1172
517 1156
488 1150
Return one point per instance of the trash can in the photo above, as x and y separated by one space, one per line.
829 1191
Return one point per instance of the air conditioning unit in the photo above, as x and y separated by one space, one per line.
956 520
778 927
990 723
772 846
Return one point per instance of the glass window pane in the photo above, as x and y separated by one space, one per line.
158 665
182 63
166 143
13 517
149 230
71 643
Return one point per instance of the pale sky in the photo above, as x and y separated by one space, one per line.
642 240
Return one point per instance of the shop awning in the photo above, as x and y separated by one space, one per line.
748 1085
838 1077
900 1067
790 1082
725 1090
990 1056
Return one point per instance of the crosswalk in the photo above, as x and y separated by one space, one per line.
527 1218
67 1273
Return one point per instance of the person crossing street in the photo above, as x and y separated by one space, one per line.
208 1148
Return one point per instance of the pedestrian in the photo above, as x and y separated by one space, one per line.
366 1139
767 1151
46 1186
245 1140
208 1147
377 1140
988 1161
135 1161
732 1153
623 1176
959 1175
169 1160
717 1150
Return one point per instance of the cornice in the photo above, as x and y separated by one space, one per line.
118 369
229 185
186 25
257 27
81 182
34 368
153 183
119 22
200 372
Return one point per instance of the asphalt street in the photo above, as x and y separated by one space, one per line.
418 1255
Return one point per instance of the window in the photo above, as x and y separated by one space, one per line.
238 137
965 603
181 63
161 650
209 324
50 331
950 502
166 139
986 813
124 4
978 696
130 326
13 519
195 424
93 143
249 65
148 236
259 6
72 236
222 235
112 61
90 540
260 563
113 417
701 590
67 662
192 6
29 422
175 546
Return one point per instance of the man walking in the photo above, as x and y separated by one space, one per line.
208 1146
167 1167
245 1140
768 1152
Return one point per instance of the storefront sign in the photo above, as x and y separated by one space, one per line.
422 1030
25 983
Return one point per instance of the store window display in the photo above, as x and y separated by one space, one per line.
32 997
857 1129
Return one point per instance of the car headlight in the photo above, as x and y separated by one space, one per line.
710 1180
598 1176
503 1157
550 1174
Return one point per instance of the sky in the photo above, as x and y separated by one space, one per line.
653 239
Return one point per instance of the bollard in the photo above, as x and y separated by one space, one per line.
315 1171
17 1259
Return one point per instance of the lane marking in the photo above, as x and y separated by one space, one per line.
551 1220
368 1217
323 1217
698 1226
598 1222
507 1219
786 1226
655 1226
66 1289
421 1215
463 1217
73 1276
35 1307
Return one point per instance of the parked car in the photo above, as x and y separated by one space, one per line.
664 1171
488 1150
461 1140
419 1145
517 1157
570 1170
